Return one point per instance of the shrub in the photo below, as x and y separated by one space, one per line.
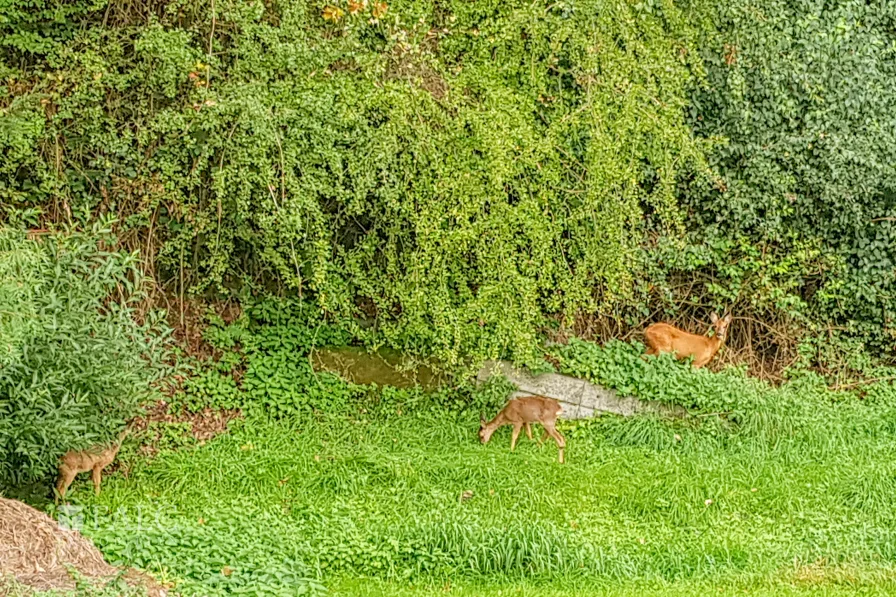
453 168
803 93
463 172
76 361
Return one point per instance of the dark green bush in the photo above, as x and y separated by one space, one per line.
803 93
76 361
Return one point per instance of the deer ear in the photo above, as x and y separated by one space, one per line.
481 422
728 318
713 318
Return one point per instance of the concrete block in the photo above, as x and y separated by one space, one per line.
579 398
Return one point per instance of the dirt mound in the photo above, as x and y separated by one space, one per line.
37 553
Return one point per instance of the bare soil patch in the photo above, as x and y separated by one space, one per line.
204 425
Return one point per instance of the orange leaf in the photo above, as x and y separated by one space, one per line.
356 6
379 9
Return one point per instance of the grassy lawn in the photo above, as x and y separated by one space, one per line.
621 589
371 505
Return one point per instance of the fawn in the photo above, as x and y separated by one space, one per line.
93 459
520 413
662 337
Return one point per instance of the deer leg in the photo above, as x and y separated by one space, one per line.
66 476
529 431
97 476
551 429
544 436
561 442
516 434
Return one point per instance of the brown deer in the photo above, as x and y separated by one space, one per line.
662 337
93 459
521 412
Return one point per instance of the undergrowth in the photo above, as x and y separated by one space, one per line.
325 483
269 350
804 408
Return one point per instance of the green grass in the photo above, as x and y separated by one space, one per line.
369 588
370 506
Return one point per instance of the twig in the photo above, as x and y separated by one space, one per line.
211 36
855 384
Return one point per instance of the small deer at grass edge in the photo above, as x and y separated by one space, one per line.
93 459
521 412
662 337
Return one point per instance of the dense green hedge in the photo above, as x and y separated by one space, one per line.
464 169
805 94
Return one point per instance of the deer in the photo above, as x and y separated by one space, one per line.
93 459
521 412
662 337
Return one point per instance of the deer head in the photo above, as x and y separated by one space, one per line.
721 325
485 431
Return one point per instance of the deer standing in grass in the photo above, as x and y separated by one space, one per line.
521 412
662 337
93 459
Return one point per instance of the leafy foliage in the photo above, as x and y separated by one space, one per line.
209 388
117 587
264 367
802 408
454 169
462 173
804 94
76 361
37 26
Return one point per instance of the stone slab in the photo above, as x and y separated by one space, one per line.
579 398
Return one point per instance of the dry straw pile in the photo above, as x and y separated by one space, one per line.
37 553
